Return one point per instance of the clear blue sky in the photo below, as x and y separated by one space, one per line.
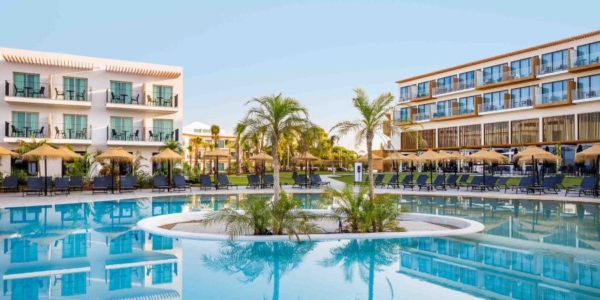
315 51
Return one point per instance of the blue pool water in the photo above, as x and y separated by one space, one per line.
94 251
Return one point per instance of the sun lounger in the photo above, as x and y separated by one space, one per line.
34 186
588 187
421 180
406 180
160 184
502 183
10 184
268 181
61 186
315 180
547 186
206 182
127 184
476 183
179 183
393 182
300 181
451 181
100 185
463 182
523 184
378 180
438 183
224 181
76 183
253 181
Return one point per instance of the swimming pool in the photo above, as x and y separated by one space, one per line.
94 250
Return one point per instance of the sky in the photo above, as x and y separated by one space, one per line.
314 51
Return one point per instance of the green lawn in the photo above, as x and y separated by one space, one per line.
285 177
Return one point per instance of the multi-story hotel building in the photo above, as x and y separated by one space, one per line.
86 102
200 130
543 95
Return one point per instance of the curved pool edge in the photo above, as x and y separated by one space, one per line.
464 226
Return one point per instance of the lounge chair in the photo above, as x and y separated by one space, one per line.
61 186
463 182
406 180
76 183
476 183
588 187
378 180
451 181
315 180
559 182
127 184
393 182
268 181
179 183
206 182
224 181
301 181
547 186
490 184
10 184
523 184
160 184
100 185
438 184
34 186
253 181
421 180
502 183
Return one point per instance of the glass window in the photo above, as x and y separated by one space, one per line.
493 74
466 80
443 108
423 89
120 127
75 88
121 90
162 273
494 101
466 105
221 167
24 123
119 279
25 84
521 97
163 128
75 126
588 86
554 62
73 284
423 111
75 245
163 94
554 91
402 115
588 54
446 81
161 242
121 244
221 143
405 93
520 68
22 250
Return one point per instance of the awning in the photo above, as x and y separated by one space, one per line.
142 71
47 62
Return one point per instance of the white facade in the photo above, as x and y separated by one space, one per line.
88 102
202 130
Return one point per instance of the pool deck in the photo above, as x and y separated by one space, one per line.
16 200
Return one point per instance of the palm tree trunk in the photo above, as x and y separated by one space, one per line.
370 164
275 154
371 274
238 167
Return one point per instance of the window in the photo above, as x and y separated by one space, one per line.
402 115
221 167
119 279
588 87
493 74
558 128
588 54
75 245
495 133
161 243
554 62
525 131
466 105
520 68
163 94
447 137
466 80
423 112
446 81
22 250
405 93
554 91
24 214
423 89
444 108
75 88
25 84
589 126
162 273
120 127
121 244
24 123
121 89
73 284
163 129
75 126
521 97
221 143
494 101
470 135
26 288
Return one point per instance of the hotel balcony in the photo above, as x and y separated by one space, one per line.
421 117
508 76
552 69
552 99
454 88
451 113
47 95
139 136
140 101
59 133
507 105
585 62
401 120
585 95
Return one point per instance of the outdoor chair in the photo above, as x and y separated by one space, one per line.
253 181
451 181
127 184
421 180
490 184
115 98
61 186
502 183
59 94
160 184
76 183
406 180
315 180
476 182
149 101
179 183
463 182
559 182
15 131
136 99
378 180
81 134
100 185
547 186
39 93
438 183
18 91
588 187
115 135
268 181
393 182
58 133
206 182
523 184
40 133
300 181
80 96
224 181
10 184
34 186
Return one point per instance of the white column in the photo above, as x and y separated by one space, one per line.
541 130
576 134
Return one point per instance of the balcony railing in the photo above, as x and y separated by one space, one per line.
26 130
71 131
483 80
420 117
141 134
138 97
46 91
585 60
451 112
513 103
554 97
402 120
586 93
455 87
553 67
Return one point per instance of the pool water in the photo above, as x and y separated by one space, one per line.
94 251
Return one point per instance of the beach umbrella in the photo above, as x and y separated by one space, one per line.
534 154
430 156
592 153
446 157
6 152
169 156
485 157
456 157
69 155
305 158
395 157
215 154
261 157
44 151
115 155
411 157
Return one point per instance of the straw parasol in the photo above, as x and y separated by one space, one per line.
5 152
533 154
306 158
215 154
430 156
169 156
115 155
261 157
411 157
486 157
365 159
395 157
592 153
69 155
44 151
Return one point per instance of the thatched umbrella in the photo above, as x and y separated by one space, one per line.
411 157
170 157
456 157
6 152
592 153
216 154
115 155
485 157
305 158
44 151
69 155
395 157
533 154
430 156
261 157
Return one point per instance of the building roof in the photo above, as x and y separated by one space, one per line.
525 50
190 129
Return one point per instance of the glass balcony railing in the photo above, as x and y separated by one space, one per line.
451 112
455 87
422 94
553 97
26 129
402 120
513 103
71 131
47 91
513 74
586 60
552 67
142 134
586 93
136 97
420 117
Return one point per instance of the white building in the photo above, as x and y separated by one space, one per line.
201 130
87 102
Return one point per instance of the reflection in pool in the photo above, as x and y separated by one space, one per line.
529 250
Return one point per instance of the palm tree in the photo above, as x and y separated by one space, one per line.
229 145
274 117
215 130
190 150
173 145
239 130
372 120
196 142
25 146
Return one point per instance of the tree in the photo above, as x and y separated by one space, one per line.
196 142
239 130
215 130
273 117
173 145
229 145
371 122
190 150
25 146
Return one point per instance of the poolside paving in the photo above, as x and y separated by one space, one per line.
12 200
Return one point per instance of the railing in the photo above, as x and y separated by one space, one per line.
451 112
142 134
553 97
74 93
46 91
586 93
402 120
26 130
512 103
503 77
404 98
553 67
421 117
138 97
455 87
585 60
422 93
71 131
